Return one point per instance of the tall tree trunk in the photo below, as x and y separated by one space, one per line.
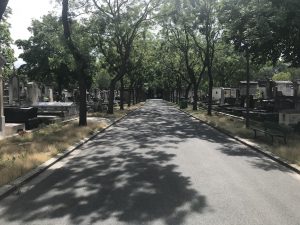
247 88
178 90
210 87
187 91
82 101
129 96
111 97
81 63
173 96
137 96
195 97
133 96
122 94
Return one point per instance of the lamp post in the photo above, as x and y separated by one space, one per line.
2 118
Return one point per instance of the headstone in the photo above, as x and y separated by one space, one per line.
33 93
222 100
50 94
2 118
105 96
13 90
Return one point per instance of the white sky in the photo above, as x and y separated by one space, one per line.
23 11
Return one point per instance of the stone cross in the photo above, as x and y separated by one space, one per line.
2 118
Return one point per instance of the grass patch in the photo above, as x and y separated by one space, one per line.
19 155
236 127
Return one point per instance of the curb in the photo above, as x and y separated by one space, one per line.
7 189
250 144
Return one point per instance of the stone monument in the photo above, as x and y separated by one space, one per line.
2 118
33 93
14 90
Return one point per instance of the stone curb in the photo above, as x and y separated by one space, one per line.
250 144
7 189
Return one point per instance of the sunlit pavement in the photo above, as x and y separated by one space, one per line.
159 166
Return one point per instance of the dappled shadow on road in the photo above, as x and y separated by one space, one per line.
255 159
128 175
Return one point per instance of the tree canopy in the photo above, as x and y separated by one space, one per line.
177 46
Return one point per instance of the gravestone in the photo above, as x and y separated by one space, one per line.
2 118
33 93
14 90
50 94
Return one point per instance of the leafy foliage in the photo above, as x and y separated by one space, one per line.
5 44
282 76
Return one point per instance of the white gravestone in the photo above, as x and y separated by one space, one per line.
33 93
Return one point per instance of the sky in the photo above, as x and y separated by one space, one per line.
23 11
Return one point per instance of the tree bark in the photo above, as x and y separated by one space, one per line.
248 88
210 87
130 94
81 63
133 96
195 97
122 94
187 91
110 109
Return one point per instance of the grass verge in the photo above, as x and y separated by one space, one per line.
20 154
289 152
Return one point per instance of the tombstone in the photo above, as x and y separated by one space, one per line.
50 94
2 118
105 96
14 90
47 94
32 93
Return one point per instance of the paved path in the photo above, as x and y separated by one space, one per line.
159 166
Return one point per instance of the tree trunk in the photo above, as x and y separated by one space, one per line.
173 96
195 97
81 63
133 96
82 102
122 94
111 97
247 89
187 91
210 87
129 96
137 96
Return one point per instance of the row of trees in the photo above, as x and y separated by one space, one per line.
172 45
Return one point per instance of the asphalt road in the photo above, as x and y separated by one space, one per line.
158 166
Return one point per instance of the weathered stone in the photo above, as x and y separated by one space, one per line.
2 118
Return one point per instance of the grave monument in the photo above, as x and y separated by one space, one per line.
2 118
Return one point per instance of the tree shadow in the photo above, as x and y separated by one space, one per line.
253 157
127 175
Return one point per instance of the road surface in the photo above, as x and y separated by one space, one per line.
159 166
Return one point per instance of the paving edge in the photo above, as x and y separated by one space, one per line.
7 189
250 144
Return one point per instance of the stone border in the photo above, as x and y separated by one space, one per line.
250 144
7 189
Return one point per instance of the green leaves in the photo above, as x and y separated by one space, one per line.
268 29
5 43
